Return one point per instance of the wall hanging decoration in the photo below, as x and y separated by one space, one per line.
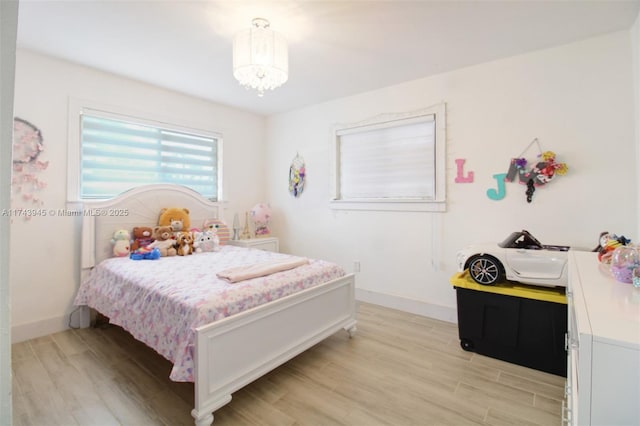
27 164
297 175
460 178
544 170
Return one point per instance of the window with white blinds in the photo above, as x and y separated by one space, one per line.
120 154
391 163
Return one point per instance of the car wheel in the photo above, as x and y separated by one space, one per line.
485 270
466 344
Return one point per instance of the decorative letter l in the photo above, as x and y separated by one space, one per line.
460 178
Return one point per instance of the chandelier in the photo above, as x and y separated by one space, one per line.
260 57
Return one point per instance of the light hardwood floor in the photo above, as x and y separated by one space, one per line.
399 369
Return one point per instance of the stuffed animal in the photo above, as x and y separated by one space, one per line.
184 243
219 227
121 243
177 218
164 241
142 237
608 244
205 241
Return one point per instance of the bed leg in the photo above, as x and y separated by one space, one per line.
203 420
84 320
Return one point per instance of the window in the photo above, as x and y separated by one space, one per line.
117 153
393 162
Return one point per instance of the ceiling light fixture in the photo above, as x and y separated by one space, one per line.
260 57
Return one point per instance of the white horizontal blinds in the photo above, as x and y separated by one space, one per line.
392 162
119 155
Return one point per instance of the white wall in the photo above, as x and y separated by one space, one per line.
635 47
577 99
45 251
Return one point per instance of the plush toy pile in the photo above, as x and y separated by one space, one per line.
171 236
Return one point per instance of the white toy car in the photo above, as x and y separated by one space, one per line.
520 257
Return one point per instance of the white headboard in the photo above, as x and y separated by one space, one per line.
137 207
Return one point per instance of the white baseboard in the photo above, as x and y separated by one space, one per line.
22 332
417 307
32 330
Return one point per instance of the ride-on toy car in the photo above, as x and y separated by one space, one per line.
520 257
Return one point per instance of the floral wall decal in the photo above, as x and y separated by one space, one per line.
27 164
297 176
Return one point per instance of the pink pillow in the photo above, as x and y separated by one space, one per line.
220 228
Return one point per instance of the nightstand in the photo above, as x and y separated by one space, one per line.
266 243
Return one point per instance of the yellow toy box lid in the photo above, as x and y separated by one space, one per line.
510 288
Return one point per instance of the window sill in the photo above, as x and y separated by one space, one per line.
396 205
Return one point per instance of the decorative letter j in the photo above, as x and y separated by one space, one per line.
500 193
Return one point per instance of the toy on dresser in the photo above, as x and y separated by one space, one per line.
607 243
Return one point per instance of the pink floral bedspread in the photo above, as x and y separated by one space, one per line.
161 302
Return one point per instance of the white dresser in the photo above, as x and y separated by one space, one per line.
266 243
603 339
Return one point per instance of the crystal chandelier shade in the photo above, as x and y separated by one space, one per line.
260 57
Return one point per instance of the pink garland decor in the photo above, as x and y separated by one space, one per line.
27 147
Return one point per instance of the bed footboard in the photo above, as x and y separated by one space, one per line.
239 349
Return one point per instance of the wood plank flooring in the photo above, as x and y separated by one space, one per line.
399 369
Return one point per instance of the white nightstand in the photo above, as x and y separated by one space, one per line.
266 243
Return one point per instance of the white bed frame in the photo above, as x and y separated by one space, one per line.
237 350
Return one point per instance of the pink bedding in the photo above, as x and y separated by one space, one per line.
161 302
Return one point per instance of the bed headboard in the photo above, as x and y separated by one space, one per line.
137 207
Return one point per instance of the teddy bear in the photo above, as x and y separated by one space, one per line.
121 243
205 241
164 241
175 217
184 243
142 237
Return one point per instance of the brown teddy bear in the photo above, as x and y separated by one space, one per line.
164 241
175 217
185 243
142 237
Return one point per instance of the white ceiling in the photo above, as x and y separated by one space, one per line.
336 48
